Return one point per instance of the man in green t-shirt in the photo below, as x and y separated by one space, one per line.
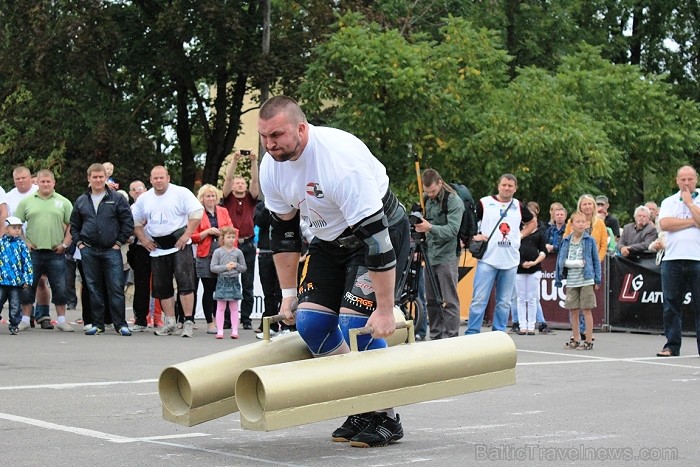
47 215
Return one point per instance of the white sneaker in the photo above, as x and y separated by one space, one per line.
188 329
283 332
138 328
24 325
261 335
65 327
168 328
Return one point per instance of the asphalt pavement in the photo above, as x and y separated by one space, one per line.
72 399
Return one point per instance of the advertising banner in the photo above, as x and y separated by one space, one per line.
636 299
551 298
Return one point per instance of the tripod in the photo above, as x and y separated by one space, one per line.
408 287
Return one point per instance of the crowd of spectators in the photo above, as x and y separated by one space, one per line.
169 235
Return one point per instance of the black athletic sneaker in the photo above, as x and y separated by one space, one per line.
352 426
382 430
515 328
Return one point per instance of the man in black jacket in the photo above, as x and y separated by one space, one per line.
101 223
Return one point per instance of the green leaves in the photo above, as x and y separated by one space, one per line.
583 128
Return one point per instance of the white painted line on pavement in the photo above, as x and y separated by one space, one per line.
76 385
181 435
68 429
93 433
588 358
123 439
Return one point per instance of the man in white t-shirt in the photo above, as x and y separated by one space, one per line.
679 217
164 219
24 187
501 214
329 179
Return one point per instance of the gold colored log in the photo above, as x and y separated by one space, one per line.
203 389
289 394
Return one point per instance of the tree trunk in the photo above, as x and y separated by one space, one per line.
512 7
184 135
636 39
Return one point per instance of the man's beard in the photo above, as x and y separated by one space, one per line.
284 157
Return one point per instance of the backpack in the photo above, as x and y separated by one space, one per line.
468 228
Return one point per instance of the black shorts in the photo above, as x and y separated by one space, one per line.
179 265
336 277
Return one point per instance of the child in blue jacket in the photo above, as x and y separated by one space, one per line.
578 263
15 270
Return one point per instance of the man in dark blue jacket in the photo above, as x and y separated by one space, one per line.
100 224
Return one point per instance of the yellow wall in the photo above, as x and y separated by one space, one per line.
465 286
248 137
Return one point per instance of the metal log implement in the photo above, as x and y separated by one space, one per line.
289 394
203 389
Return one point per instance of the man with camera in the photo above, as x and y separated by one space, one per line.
441 227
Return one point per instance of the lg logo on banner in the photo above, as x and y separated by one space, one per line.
629 292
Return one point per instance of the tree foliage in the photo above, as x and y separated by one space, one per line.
140 82
392 92
582 128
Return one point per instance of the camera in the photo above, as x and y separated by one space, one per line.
245 152
416 217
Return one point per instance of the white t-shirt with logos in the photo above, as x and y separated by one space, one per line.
503 251
335 183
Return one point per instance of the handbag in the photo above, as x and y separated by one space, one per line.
478 247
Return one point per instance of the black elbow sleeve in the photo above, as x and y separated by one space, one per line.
285 236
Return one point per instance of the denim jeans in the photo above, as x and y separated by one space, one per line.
678 277
12 294
104 267
484 279
54 266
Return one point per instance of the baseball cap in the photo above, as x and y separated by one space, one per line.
12 220
602 199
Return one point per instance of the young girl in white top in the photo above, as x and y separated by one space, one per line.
228 263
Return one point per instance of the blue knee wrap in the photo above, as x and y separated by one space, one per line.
364 342
320 330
